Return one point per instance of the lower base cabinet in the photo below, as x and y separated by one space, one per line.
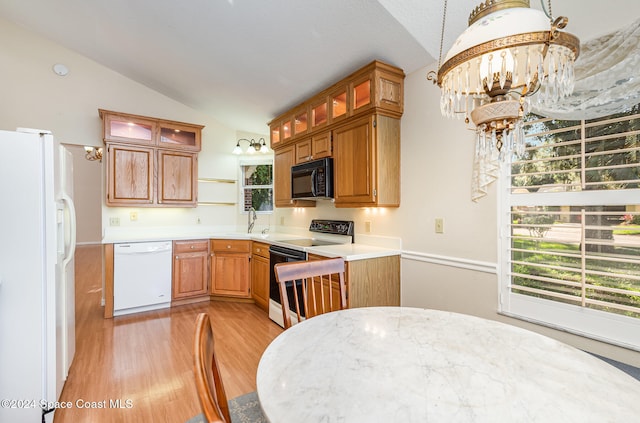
190 269
221 268
260 273
230 268
373 282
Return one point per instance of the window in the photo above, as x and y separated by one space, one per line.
257 186
570 226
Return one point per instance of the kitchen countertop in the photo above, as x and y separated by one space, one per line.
349 252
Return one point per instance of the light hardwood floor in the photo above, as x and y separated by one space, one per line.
146 358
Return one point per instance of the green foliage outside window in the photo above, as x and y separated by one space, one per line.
258 187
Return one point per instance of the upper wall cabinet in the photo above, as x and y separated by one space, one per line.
133 129
357 122
376 88
150 162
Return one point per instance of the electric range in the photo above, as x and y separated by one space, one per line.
333 232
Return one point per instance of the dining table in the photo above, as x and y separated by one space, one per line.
404 364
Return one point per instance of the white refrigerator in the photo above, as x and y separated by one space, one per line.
37 293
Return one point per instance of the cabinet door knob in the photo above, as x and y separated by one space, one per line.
192 247
228 246
177 257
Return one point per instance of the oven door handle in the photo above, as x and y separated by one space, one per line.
291 256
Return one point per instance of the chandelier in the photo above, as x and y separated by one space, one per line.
509 56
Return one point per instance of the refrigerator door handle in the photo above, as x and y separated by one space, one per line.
72 227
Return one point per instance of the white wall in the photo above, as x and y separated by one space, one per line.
34 96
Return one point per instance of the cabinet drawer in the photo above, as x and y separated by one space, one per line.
230 245
190 246
260 249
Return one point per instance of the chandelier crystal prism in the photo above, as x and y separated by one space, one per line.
509 55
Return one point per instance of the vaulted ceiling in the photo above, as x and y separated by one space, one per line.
245 61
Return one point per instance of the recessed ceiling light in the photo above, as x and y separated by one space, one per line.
60 69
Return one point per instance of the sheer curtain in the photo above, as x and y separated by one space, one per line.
607 81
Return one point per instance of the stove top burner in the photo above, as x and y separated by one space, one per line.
308 242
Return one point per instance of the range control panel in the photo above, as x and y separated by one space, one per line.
336 227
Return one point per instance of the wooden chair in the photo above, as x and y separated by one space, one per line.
211 394
318 284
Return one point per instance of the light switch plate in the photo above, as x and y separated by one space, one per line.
439 225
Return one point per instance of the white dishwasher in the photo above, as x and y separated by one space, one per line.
141 276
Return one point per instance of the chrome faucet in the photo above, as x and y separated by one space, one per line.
250 222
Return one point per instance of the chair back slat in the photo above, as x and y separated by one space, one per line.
308 281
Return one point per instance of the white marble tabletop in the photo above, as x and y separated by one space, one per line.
400 364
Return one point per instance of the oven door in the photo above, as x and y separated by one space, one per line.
282 255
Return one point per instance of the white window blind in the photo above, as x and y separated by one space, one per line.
571 228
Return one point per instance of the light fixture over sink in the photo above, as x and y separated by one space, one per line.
253 146
509 54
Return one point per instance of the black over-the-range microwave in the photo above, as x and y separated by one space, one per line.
312 180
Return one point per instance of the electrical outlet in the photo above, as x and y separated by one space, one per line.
281 220
133 216
198 221
367 227
439 225
114 221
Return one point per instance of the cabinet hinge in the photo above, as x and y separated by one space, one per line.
375 192
375 123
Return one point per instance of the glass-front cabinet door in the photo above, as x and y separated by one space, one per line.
361 94
300 122
275 135
319 115
129 129
339 103
176 136
285 130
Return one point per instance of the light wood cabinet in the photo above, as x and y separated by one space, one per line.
373 282
367 162
190 269
357 122
375 88
260 274
230 268
150 162
177 178
162 133
283 159
124 128
179 136
301 121
130 175
369 282
316 147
